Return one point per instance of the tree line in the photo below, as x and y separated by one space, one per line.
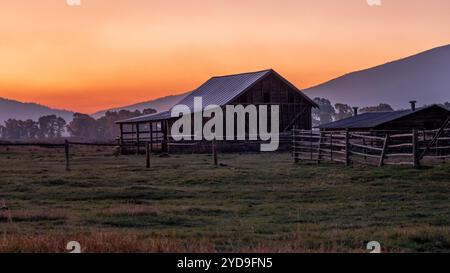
105 128
82 126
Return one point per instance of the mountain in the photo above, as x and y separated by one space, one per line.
424 77
160 105
19 110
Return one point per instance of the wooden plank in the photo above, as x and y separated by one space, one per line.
401 136
383 152
365 155
398 163
366 147
399 155
404 145
369 137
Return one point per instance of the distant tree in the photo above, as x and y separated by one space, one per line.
83 126
343 111
14 129
325 113
2 132
149 111
51 126
383 107
107 127
31 129
447 105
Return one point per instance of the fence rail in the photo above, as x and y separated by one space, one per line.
376 148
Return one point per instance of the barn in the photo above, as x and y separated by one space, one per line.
262 88
425 118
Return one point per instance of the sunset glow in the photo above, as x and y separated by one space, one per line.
109 53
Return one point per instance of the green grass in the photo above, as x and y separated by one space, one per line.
256 202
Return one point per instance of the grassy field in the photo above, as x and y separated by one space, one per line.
253 203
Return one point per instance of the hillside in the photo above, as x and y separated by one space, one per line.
19 110
424 77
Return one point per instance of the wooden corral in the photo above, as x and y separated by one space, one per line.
401 147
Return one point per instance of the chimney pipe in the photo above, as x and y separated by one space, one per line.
413 105
355 111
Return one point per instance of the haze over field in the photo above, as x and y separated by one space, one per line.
108 53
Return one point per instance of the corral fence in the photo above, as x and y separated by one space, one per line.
376 148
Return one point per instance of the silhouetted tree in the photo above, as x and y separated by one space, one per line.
83 126
15 129
2 132
51 126
149 111
383 107
107 127
31 129
325 113
343 111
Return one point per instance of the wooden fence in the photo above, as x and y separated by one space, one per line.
120 146
375 148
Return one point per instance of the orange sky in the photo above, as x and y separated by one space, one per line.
115 52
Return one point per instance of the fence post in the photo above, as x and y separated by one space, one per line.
147 154
214 152
138 139
331 147
66 151
294 148
319 149
383 153
414 143
347 148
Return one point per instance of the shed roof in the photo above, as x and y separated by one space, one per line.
371 120
219 91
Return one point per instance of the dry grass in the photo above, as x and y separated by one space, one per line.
256 203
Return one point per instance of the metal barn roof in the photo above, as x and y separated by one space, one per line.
217 91
371 120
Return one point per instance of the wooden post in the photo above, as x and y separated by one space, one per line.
147 154
66 150
121 139
137 139
331 146
415 149
151 136
294 145
347 148
214 152
164 128
311 144
383 153
319 149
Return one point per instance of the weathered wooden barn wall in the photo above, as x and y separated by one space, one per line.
274 91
